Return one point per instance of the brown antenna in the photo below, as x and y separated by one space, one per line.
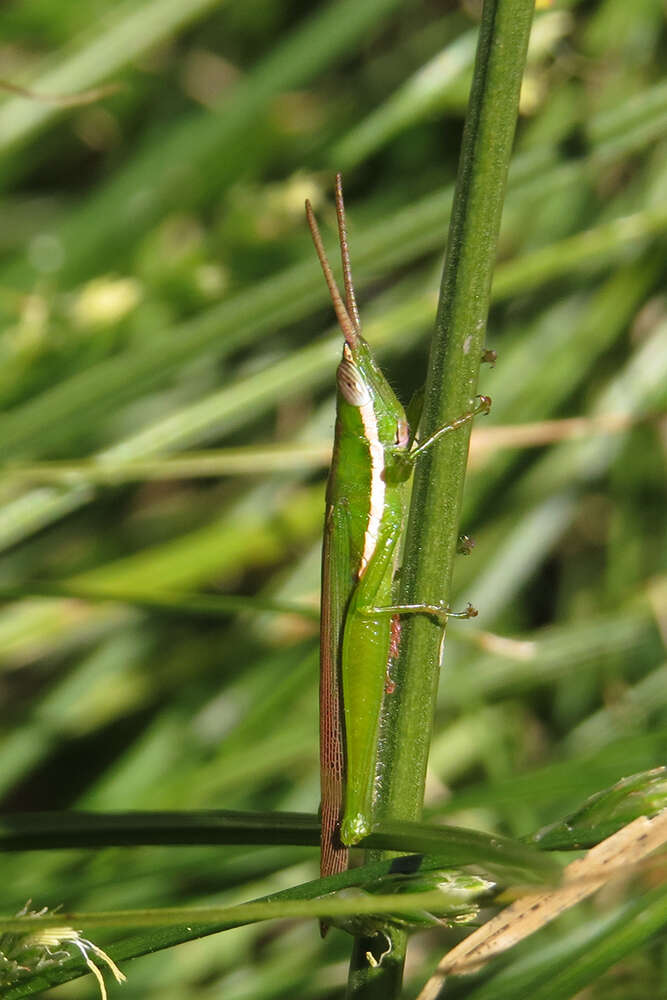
350 300
350 330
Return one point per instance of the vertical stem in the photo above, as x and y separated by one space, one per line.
452 378
383 982
451 385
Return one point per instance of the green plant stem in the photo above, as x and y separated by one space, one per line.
50 830
451 845
450 389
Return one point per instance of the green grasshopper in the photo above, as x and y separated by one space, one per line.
366 506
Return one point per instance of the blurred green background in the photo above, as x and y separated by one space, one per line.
159 295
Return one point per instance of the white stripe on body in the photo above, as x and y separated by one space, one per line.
377 490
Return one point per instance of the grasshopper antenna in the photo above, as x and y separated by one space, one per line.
350 299
350 330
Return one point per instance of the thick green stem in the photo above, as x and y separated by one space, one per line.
450 390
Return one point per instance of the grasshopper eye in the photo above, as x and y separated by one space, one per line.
351 385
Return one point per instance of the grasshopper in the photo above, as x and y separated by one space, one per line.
366 507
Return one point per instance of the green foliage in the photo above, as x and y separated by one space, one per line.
160 303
